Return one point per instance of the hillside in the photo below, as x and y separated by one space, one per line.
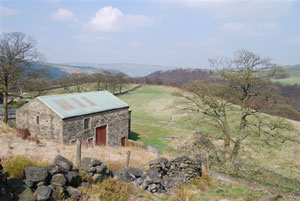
179 76
60 70
294 76
133 70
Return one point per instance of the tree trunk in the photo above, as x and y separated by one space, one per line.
120 89
5 112
235 150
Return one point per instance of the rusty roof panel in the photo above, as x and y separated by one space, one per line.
64 104
78 102
89 101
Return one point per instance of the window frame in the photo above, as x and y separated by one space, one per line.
88 124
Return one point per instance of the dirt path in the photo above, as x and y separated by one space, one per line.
229 179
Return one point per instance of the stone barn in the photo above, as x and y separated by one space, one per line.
98 118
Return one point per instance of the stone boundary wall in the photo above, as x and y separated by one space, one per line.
60 180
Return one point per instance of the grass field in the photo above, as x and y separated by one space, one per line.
294 76
154 118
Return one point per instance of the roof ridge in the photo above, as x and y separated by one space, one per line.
73 93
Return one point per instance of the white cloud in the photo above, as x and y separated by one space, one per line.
63 15
4 11
250 29
109 19
89 38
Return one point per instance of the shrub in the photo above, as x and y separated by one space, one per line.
112 190
15 165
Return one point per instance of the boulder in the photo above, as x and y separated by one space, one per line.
97 178
26 195
73 192
43 193
63 163
90 162
73 178
3 177
35 174
58 180
101 169
17 186
135 172
88 168
28 183
121 175
5 193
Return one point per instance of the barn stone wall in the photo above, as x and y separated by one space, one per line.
50 124
117 122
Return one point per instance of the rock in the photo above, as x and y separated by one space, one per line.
121 175
88 169
158 161
90 162
41 183
135 172
43 193
224 200
35 174
1 167
26 195
58 180
97 178
5 193
220 191
138 181
3 177
28 183
17 186
54 169
63 163
72 178
73 192
101 169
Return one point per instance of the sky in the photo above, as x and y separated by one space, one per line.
183 33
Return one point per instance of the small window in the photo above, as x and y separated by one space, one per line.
37 120
86 123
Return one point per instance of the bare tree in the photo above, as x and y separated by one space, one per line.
17 51
98 79
245 81
78 79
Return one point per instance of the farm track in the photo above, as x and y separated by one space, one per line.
253 185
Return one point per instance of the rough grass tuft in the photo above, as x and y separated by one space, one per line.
204 183
15 165
184 193
112 190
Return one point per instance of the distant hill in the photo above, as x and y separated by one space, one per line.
294 75
133 70
179 76
61 70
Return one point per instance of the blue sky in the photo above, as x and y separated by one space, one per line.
183 33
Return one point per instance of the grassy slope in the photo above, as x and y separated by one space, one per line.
154 118
294 73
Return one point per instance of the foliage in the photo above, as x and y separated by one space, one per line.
112 190
245 81
15 166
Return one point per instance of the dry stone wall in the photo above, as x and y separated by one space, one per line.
61 180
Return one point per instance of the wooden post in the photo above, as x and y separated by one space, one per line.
78 153
128 159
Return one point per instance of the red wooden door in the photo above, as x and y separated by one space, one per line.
123 141
101 136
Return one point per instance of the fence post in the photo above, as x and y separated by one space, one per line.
128 159
78 153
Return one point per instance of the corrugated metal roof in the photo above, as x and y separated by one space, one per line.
76 104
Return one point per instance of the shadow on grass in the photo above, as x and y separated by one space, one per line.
134 136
